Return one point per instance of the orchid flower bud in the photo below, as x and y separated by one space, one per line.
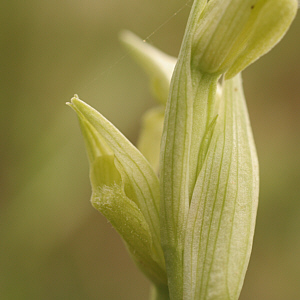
208 167
231 34
158 65
191 229
124 189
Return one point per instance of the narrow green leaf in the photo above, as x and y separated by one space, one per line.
221 218
158 65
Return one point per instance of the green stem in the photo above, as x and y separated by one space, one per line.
159 293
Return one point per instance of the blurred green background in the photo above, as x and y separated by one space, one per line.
53 244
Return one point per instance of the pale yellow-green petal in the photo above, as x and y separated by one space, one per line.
266 27
150 135
231 34
158 65
122 164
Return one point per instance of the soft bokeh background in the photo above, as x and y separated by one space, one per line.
53 244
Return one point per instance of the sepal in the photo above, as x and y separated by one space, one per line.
231 34
150 135
158 65
125 189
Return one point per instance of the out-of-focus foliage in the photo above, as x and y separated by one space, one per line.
54 245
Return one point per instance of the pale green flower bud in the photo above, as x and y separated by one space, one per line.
209 169
158 65
150 135
125 190
231 34
194 243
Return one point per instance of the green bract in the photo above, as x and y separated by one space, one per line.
186 209
125 189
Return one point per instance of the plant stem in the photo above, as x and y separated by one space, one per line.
159 293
